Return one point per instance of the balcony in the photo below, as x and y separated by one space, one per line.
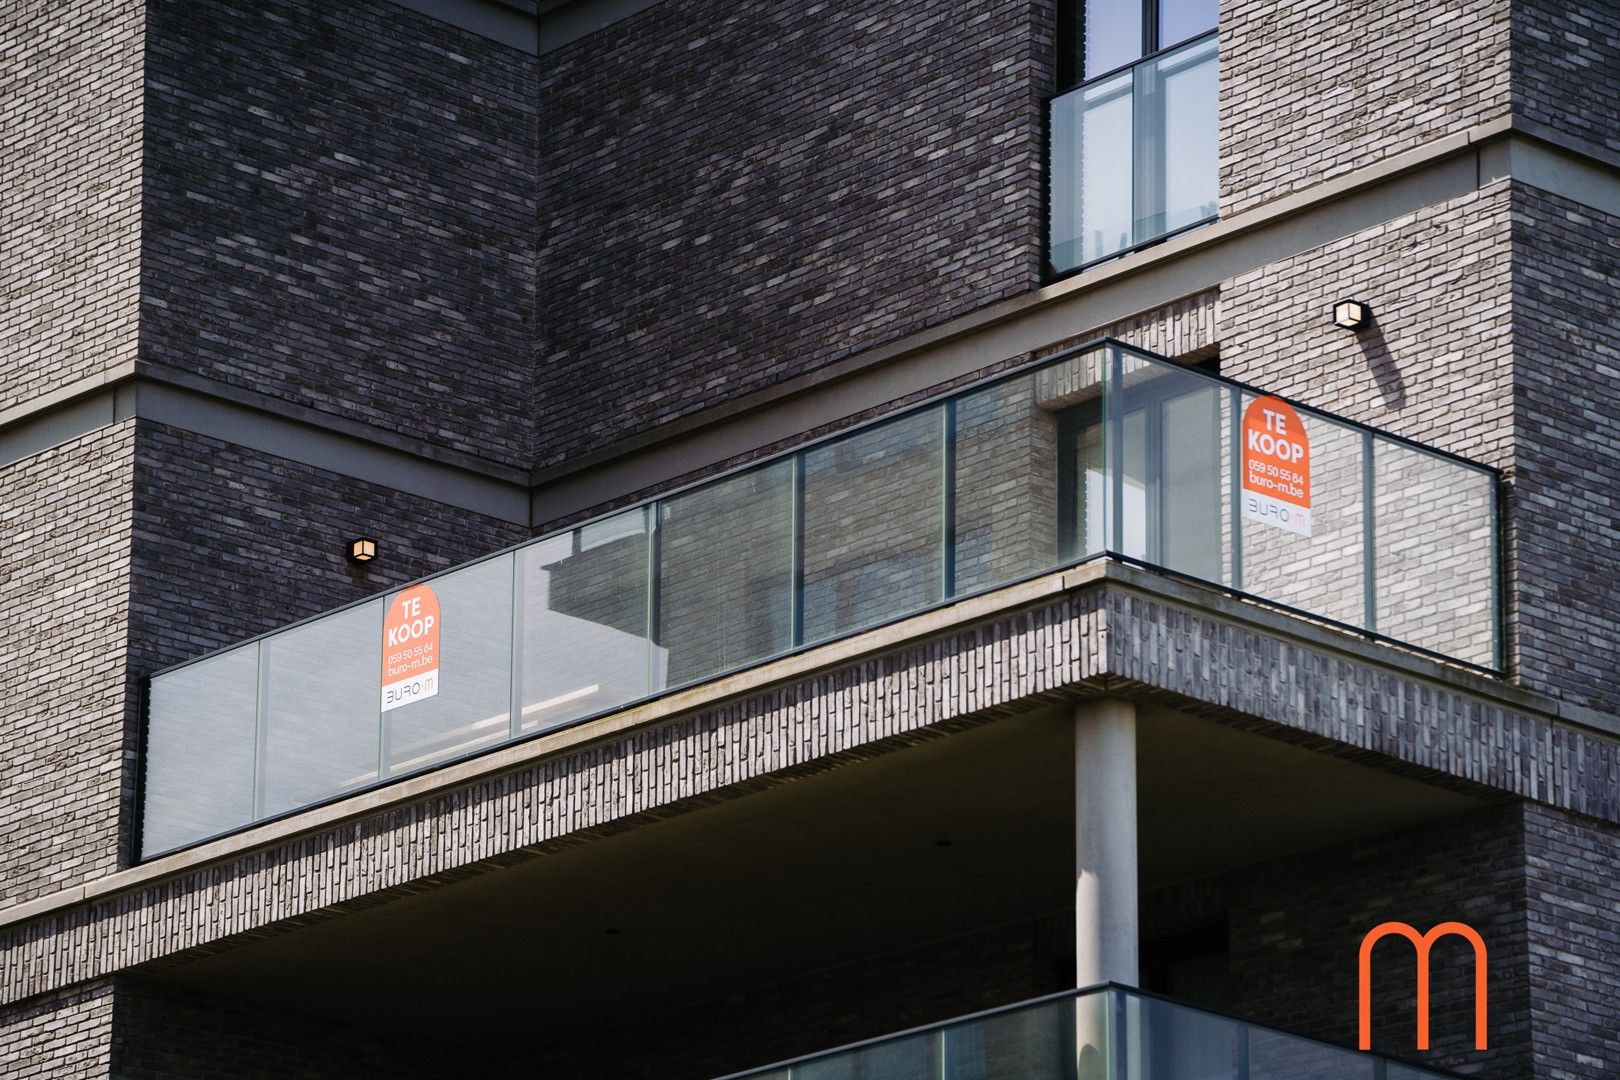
1133 155
1103 1034
1103 451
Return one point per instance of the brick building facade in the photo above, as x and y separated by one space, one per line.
838 534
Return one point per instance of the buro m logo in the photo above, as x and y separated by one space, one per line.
1423 943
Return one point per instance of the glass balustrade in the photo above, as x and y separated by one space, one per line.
1106 450
1103 1034
1133 155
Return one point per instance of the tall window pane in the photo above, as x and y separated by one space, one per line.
1191 136
1183 19
1091 174
1112 33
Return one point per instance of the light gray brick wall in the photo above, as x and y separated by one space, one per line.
71 81
66 1035
1437 366
64 685
1312 89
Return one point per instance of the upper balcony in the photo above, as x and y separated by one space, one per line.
1102 451
1133 155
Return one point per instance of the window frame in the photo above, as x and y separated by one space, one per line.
1049 269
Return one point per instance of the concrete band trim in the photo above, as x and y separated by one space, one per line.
1098 629
1192 263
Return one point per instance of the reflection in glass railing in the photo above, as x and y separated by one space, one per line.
1133 155
1103 1034
1106 450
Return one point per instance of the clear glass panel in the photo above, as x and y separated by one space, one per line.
322 694
200 749
1174 470
1091 176
1084 1039
1113 35
472 706
726 573
1322 572
1188 87
1183 19
1134 156
584 643
1434 552
1171 1042
874 524
1007 479
1274 1055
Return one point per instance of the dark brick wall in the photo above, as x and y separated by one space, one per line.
230 543
340 211
1310 91
1574 943
70 205
1565 576
162 1033
1564 59
1297 925
819 1010
64 595
735 193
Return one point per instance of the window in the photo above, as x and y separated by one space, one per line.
1133 142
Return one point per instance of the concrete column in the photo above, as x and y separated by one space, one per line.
1105 892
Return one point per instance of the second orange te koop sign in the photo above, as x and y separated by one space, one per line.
1276 466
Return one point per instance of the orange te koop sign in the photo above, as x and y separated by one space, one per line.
410 669
1276 466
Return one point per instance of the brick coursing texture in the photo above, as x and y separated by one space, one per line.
70 207
1563 61
340 212
803 1013
1313 90
1296 926
64 587
1101 637
1184 329
161 1032
65 1035
1573 902
230 542
1566 399
737 193
1436 367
